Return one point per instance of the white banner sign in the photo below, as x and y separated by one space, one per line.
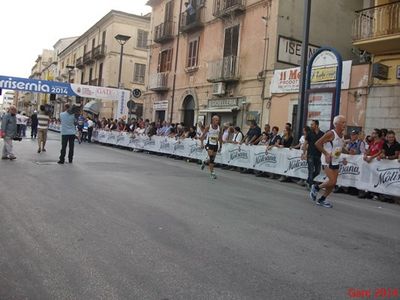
378 176
288 80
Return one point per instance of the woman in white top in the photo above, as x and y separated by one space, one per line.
237 136
214 137
331 145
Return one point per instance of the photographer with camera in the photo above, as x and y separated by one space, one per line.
68 132
9 132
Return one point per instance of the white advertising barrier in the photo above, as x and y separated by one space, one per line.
378 176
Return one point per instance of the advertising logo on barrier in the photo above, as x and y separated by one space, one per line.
238 154
387 177
149 142
265 159
178 146
165 145
351 168
296 163
195 149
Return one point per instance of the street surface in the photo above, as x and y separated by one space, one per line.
117 224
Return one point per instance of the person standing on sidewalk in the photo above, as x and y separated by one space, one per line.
90 129
34 125
43 126
311 152
331 146
8 132
68 132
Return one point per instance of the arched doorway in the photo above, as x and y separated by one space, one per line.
188 110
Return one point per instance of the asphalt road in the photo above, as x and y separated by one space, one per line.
117 224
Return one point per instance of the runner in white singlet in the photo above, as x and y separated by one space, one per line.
331 145
213 135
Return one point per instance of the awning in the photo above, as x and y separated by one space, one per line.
92 107
219 109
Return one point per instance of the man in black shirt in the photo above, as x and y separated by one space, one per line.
312 153
253 134
391 148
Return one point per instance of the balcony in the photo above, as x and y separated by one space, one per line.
159 82
99 52
164 32
194 22
94 82
223 8
88 58
79 63
226 69
377 29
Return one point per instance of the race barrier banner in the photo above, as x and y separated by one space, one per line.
378 176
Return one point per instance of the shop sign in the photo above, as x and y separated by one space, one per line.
228 102
160 105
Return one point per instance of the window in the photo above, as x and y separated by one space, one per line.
142 38
193 53
103 39
93 44
100 74
231 41
165 61
140 70
169 11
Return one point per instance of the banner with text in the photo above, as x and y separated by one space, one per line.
378 176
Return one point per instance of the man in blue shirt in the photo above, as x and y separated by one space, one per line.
68 132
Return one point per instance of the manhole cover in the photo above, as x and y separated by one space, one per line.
46 162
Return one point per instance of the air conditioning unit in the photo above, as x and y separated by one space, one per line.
218 88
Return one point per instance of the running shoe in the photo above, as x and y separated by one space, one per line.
11 157
324 203
213 175
203 164
313 193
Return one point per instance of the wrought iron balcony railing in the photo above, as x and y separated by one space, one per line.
225 69
378 21
225 7
164 32
159 82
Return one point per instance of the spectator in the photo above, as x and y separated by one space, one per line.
34 125
375 147
302 140
354 146
391 148
237 136
43 125
8 132
253 134
287 139
68 131
152 129
192 132
265 135
90 129
311 152
275 138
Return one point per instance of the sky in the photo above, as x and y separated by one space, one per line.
28 27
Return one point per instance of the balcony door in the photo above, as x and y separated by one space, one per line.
231 46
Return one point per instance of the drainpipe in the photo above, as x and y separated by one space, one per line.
176 62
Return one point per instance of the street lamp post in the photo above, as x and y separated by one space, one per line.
121 39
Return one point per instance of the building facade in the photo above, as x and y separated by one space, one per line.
376 33
94 57
218 56
8 100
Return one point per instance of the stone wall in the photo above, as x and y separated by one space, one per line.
383 109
